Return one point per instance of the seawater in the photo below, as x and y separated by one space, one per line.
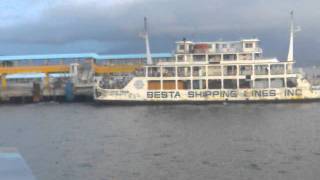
180 142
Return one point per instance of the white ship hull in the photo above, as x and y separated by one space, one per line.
135 93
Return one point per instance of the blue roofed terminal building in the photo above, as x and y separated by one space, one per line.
19 73
53 59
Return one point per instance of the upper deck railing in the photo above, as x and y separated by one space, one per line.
221 51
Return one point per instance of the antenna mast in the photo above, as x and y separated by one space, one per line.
293 31
146 37
291 45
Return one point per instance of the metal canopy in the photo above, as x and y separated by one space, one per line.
83 56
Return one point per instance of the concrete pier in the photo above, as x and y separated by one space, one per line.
21 93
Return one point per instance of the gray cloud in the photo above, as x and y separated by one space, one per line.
76 21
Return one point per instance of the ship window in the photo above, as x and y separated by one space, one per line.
199 84
140 72
230 70
191 47
229 57
277 83
262 83
154 85
184 84
182 47
180 58
169 85
214 84
245 70
257 56
245 83
245 57
276 69
169 72
214 70
292 82
154 71
214 59
199 71
184 71
261 69
249 45
199 58
230 84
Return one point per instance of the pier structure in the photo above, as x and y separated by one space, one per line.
55 76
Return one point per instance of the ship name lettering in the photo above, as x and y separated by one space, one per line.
263 93
293 92
163 95
195 94
117 93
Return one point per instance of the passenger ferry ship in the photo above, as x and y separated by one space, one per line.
210 72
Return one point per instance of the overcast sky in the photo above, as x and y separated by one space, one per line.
113 26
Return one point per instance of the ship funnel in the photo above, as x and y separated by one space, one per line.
146 37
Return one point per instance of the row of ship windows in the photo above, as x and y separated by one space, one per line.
219 46
219 57
231 70
222 84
